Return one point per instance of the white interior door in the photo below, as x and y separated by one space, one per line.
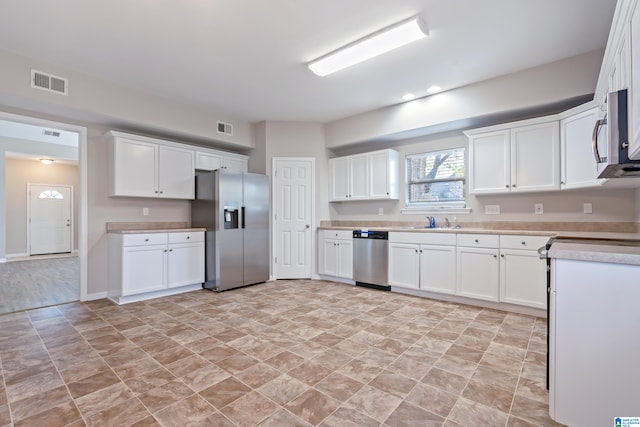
50 228
294 195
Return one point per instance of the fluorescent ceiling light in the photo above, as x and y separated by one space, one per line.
408 96
434 89
46 161
369 47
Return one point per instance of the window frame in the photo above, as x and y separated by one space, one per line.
439 206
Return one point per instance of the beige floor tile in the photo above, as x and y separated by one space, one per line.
286 353
406 415
250 409
312 406
189 411
373 402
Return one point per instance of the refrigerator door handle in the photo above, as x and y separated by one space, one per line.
243 217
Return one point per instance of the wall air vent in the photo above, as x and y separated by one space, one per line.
53 133
49 82
225 128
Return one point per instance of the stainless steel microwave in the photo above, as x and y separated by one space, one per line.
617 157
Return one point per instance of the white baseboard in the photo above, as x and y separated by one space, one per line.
21 255
95 296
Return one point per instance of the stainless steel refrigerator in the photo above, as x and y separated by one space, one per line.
234 209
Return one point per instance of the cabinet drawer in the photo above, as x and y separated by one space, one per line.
479 240
423 238
523 242
144 239
186 237
338 234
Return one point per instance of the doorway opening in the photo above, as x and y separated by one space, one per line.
43 202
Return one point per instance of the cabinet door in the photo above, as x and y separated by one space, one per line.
185 264
234 164
339 178
489 163
634 83
133 168
579 167
383 174
404 265
523 278
438 268
143 268
345 258
359 177
176 173
208 162
535 157
478 273
330 257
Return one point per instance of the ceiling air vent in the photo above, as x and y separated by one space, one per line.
48 132
49 82
225 128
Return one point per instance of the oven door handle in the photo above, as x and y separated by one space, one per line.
543 252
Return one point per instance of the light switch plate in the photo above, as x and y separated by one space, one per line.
588 208
380 211
145 211
492 209
538 209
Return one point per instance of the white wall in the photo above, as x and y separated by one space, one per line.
100 101
609 205
469 105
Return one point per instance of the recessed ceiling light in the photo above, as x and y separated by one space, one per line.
375 44
434 89
408 96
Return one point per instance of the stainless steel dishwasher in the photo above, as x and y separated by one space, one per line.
370 258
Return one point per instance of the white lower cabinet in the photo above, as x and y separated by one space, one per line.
423 261
149 263
404 265
478 273
336 253
523 275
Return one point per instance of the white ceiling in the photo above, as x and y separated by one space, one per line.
247 57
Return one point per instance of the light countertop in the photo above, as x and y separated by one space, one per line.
609 253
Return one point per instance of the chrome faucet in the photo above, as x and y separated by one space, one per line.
446 223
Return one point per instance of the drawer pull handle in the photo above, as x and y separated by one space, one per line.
524 243
502 255
146 240
188 237
477 241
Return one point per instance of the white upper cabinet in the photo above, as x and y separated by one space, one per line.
143 168
349 178
364 176
621 66
383 174
535 157
212 160
634 82
176 173
517 157
579 167
489 162
235 163
208 161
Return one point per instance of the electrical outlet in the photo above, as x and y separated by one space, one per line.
380 211
587 208
538 209
492 209
145 211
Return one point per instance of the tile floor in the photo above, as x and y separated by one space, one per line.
286 353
